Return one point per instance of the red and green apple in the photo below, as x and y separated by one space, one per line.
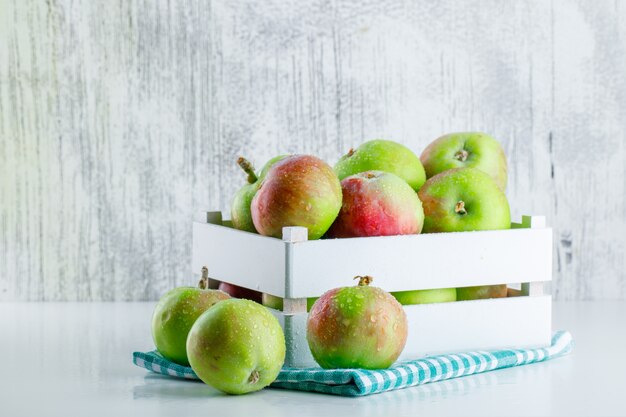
377 203
299 190
357 327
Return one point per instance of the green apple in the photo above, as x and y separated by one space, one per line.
466 149
174 315
463 199
481 292
240 207
383 155
276 303
237 346
438 295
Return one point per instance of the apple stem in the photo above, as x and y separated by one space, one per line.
204 281
364 280
460 208
350 152
248 169
461 155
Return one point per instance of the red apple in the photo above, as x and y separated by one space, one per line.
236 291
377 203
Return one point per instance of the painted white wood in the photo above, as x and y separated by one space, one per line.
425 261
532 222
294 305
291 235
298 352
241 258
118 123
478 324
532 288
295 234
397 263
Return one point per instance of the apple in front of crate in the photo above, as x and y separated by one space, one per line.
240 213
438 295
356 327
236 291
466 149
237 347
377 203
299 190
465 199
174 315
383 155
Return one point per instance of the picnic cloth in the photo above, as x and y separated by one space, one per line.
360 382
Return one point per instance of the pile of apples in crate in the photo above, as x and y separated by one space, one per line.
381 188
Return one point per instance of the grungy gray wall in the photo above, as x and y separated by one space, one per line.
119 120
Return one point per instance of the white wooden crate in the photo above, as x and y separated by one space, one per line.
295 268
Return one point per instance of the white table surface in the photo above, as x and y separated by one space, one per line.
75 359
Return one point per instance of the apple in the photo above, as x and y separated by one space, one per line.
299 190
237 347
463 199
466 149
383 155
439 295
236 291
356 327
481 292
377 203
240 213
174 315
272 301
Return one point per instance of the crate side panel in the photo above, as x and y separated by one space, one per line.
517 322
240 258
298 354
442 260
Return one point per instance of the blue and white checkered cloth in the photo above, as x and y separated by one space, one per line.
359 382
